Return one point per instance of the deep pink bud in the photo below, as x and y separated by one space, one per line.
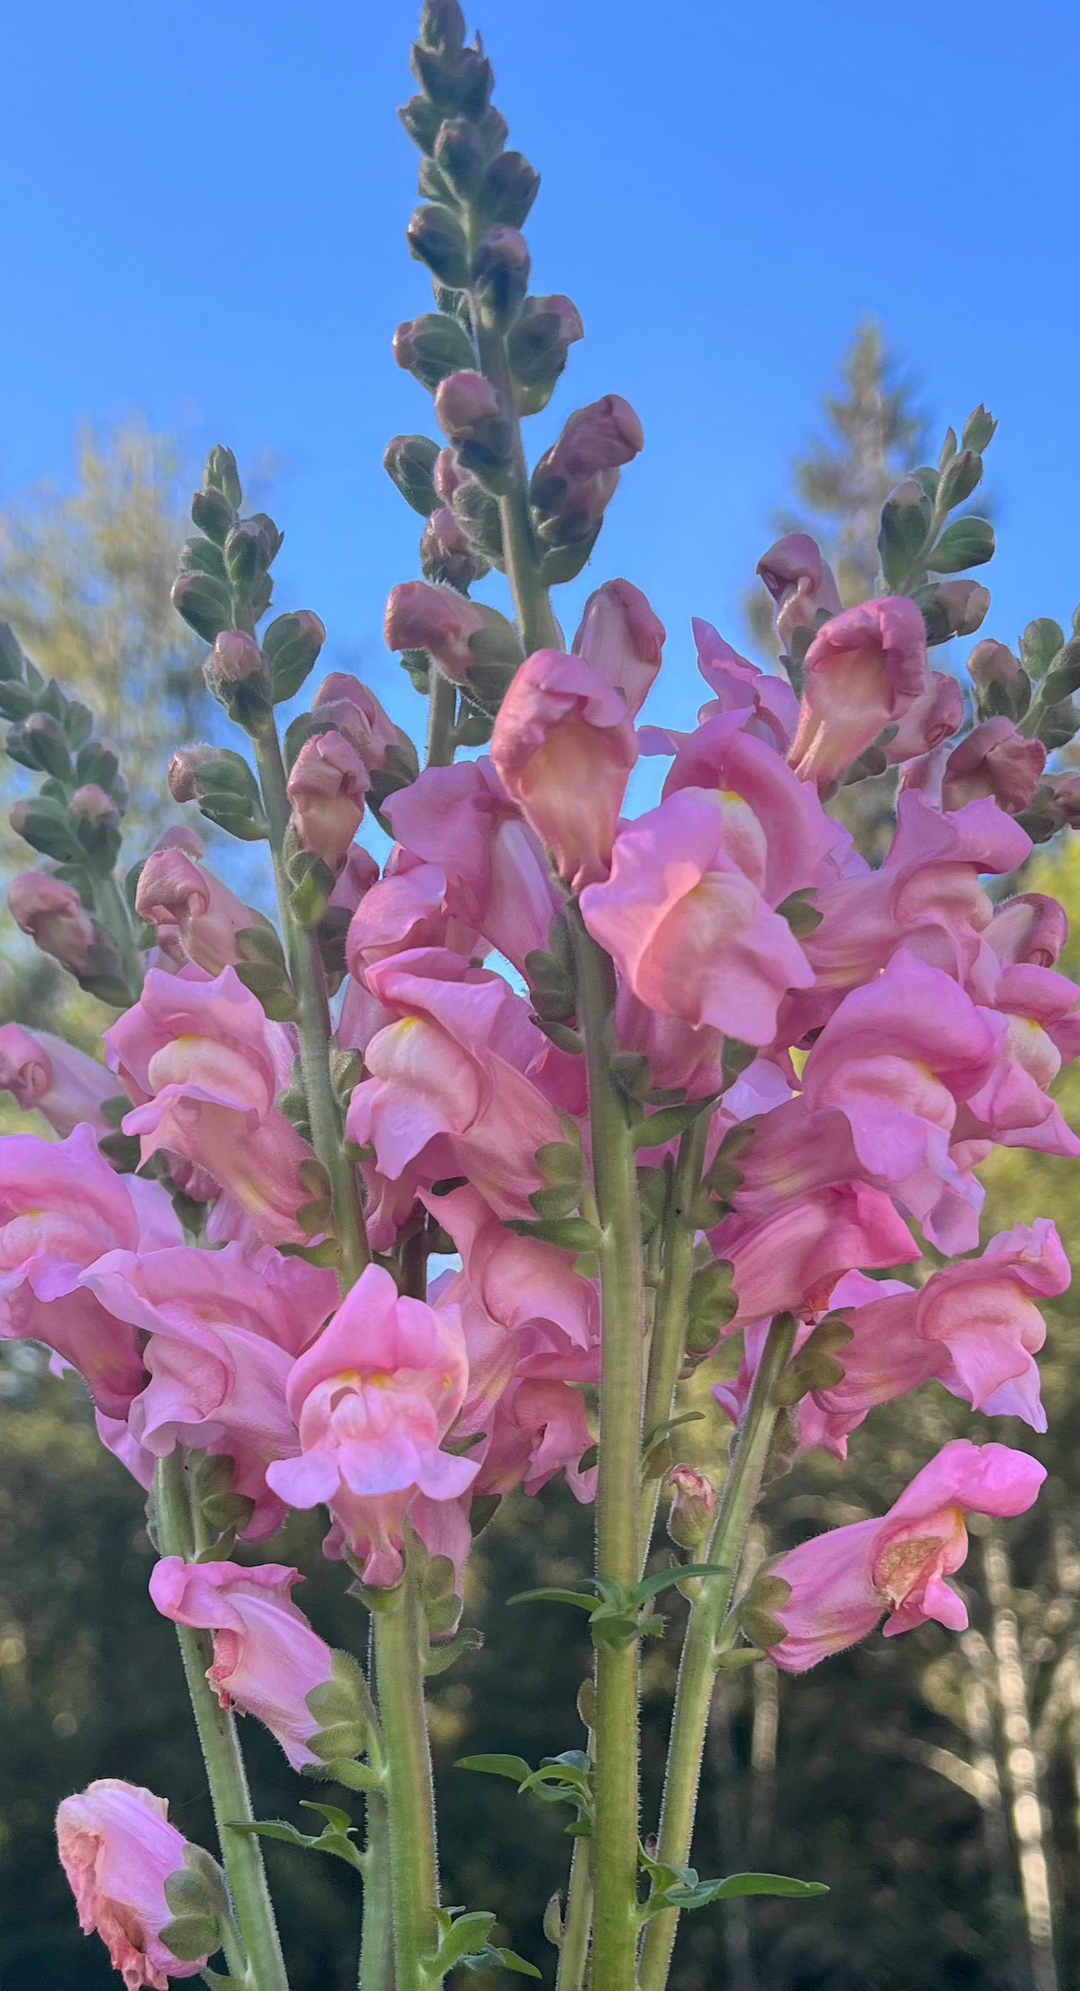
963 603
1030 928
54 916
693 1507
447 553
623 640
995 759
800 582
604 436
564 746
465 402
1065 789
992 663
326 788
864 669
236 657
91 805
458 634
118 1849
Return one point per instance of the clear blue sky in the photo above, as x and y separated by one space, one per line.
203 216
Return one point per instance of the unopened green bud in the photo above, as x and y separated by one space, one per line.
204 603
46 746
499 276
905 525
978 430
537 345
248 552
436 238
506 192
959 479
461 156
292 645
693 1507
213 514
431 347
221 474
410 461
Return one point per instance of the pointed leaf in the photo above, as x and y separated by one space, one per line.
651 1586
576 1597
514 1767
465 1937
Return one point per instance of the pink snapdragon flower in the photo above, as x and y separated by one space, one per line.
177 895
863 670
267 1659
449 1089
61 1208
54 916
564 748
770 705
1041 1033
994 759
499 883
621 638
521 1281
801 584
688 929
204 1067
933 718
326 787
775 828
790 1259
118 1849
844 1582
373 1398
222 1332
357 713
45 1074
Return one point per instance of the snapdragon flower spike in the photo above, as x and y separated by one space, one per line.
54 1078
373 1399
843 1583
267 1658
118 1849
204 1067
864 669
564 748
688 929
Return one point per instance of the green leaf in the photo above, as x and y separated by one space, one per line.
668 1122
651 1586
738 1885
571 1233
514 1767
967 542
465 1937
337 1819
575 1597
510 1960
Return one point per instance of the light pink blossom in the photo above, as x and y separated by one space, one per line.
326 787
63 1084
175 893
801 584
267 1659
623 640
863 670
994 759
564 748
54 916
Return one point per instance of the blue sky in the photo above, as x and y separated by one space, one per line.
204 213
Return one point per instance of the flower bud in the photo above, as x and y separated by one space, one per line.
447 476
248 552
499 276
960 477
55 918
436 238
574 482
623 640
952 608
693 1507
46 744
385 749
537 345
410 461
995 759
204 603
237 674
905 525
95 819
801 584
507 191
469 643
456 79
223 785
978 430
471 415
326 788
442 26
1002 685
461 156
564 746
448 554
292 644
431 347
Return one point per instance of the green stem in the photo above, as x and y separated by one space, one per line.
574 1952
240 1851
113 908
309 983
442 706
532 599
377 1940
697 1672
413 1859
619 1490
669 1331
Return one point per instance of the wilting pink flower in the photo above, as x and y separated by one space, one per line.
863 670
844 1582
623 640
1031 928
688 929
564 748
118 1849
775 828
61 1207
326 788
54 916
222 1333
204 1067
267 1659
791 1259
995 759
174 892
801 584
933 718
449 1088
374 1397
62 1083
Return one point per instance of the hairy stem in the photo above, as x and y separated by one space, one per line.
413 1859
619 1490
309 983
240 1851
697 1672
574 1952
377 1939
532 598
442 704
669 1331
